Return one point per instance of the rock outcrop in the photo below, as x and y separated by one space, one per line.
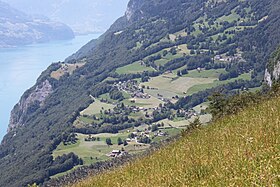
272 72
29 103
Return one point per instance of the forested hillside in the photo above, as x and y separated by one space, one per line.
156 65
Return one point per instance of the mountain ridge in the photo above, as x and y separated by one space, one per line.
96 16
18 28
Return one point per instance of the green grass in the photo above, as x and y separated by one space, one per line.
230 18
95 108
89 151
146 103
136 67
86 120
203 106
239 150
213 73
184 123
169 85
161 62
201 87
169 56
109 79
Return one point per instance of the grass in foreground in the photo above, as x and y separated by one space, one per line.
241 150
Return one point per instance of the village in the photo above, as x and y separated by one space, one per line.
137 92
139 138
229 59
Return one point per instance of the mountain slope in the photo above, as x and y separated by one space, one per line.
240 150
17 28
163 37
272 71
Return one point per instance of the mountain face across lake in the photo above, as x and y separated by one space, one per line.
18 28
96 16
19 68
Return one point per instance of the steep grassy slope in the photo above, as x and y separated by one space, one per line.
241 150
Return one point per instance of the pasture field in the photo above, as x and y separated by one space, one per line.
95 151
66 68
136 67
147 103
213 73
95 107
184 123
169 85
201 87
109 79
168 57
200 107
141 102
230 18
183 49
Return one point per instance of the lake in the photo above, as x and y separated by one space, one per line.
20 67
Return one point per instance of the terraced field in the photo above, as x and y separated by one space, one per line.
169 85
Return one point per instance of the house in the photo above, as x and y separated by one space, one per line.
115 153
162 134
128 139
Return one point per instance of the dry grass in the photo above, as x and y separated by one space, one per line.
241 150
65 68
95 108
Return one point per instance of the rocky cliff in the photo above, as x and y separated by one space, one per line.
30 102
272 72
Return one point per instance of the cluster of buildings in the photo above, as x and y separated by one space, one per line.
117 153
187 113
131 87
222 58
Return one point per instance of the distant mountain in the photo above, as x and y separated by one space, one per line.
18 28
90 16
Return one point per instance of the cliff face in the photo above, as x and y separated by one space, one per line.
29 103
272 72
18 28
134 7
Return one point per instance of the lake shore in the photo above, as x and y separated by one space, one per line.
21 66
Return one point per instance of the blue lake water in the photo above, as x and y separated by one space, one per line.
20 67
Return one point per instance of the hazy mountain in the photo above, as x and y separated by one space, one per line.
18 28
90 15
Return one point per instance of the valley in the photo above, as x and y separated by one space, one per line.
163 70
